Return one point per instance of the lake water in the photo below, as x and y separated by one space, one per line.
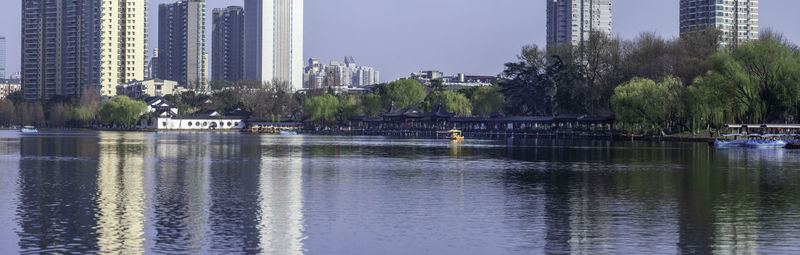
109 192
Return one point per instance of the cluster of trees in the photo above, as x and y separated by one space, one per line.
756 82
580 79
660 86
85 111
328 109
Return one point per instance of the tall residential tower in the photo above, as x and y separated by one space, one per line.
182 43
68 46
737 20
227 42
572 21
274 41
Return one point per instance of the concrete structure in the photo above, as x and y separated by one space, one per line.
227 40
736 19
572 21
182 43
68 46
274 41
155 87
338 74
3 57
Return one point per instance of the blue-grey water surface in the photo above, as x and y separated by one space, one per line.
229 193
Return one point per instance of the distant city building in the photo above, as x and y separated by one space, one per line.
456 81
182 43
572 21
8 87
15 76
227 40
274 41
156 87
338 74
68 46
2 57
152 65
737 20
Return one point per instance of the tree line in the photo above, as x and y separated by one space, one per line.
660 86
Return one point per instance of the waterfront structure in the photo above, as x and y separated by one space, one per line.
737 20
274 41
339 74
182 43
2 57
572 21
68 46
154 87
227 40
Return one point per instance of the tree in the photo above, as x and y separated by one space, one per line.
452 101
122 110
404 93
761 79
437 85
59 115
348 107
531 83
8 115
322 109
648 102
372 105
487 100
88 106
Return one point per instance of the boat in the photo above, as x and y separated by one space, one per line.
754 141
29 129
455 135
287 131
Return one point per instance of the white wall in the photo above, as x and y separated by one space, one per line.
191 124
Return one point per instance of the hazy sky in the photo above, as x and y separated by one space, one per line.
455 36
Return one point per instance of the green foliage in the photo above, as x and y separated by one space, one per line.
648 102
372 105
452 101
8 115
349 107
487 100
759 82
322 109
404 93
121 110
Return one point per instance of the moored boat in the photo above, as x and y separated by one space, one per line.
455 135
29 129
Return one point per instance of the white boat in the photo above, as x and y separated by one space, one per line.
29 129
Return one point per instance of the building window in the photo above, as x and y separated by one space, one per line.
164 124
190 124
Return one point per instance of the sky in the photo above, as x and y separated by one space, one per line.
475 37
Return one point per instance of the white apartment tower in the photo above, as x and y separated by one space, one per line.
274 41
737 20
572 21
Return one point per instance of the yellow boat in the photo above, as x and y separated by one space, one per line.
455 135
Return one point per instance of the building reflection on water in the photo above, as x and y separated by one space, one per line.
233 193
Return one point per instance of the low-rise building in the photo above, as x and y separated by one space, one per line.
211 120
155 87
456 81
8 88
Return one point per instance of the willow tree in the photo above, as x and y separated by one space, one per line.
647 102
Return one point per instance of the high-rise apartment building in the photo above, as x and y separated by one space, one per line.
3 57
737 20
572 21
337 74
227 42
70 45
274 41
182 43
